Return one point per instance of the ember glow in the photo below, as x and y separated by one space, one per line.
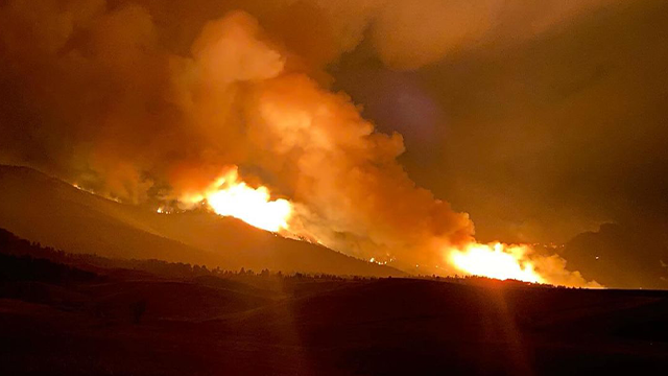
498 261
231 197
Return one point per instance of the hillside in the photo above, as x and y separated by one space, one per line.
74 321
46 210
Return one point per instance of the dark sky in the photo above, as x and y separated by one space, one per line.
540 139
546 138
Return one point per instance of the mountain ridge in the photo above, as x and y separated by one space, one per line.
47 210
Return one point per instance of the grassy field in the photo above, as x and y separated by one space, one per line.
63 314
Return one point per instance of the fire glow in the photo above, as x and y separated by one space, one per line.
497 261
230 197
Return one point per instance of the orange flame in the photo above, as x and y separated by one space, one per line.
229 196
497 261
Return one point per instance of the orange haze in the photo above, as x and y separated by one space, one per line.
235 111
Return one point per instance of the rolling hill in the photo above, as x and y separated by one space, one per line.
43 209
70 315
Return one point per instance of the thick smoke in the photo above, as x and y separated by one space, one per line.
148 101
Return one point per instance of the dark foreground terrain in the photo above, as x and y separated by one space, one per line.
64 314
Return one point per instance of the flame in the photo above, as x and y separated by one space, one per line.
229 196
497 261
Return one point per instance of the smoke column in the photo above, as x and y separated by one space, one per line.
148 101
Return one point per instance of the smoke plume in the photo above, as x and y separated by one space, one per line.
150 100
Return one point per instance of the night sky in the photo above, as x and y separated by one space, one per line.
543 138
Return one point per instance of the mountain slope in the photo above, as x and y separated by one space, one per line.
47 210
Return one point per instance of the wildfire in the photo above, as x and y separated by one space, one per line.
496 261
229 196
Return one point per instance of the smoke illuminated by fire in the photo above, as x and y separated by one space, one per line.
173 108
496 261
229 196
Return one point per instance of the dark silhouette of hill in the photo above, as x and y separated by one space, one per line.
608 256
30 269
73 314
51 212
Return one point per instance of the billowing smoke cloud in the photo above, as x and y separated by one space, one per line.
147 101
